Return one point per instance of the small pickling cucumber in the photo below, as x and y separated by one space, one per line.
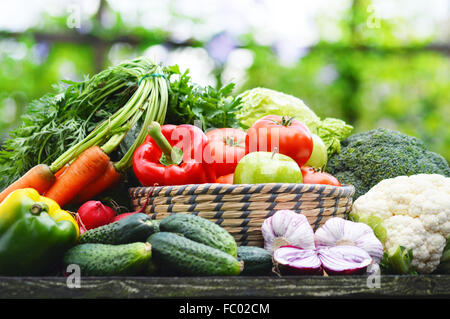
175 254
257 260
110 260
134 228
200 230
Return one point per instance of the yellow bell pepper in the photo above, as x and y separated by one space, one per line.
34 233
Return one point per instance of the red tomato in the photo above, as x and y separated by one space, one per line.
289 136
227 179
227 147
311 176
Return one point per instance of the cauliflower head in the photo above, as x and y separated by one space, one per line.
414 212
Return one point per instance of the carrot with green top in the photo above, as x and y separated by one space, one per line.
86 168
40 177
62 181
61 171
115 172
108 179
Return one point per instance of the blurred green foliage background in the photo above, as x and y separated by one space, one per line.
365 67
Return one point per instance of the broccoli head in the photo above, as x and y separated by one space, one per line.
369 157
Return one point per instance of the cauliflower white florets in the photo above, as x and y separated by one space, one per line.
416 214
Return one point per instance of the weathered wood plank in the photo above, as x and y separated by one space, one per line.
228 287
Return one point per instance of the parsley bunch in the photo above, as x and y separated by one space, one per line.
188 102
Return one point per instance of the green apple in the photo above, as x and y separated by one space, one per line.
319 157
267 167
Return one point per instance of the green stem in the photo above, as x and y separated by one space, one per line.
399 260
121 115
159 100
275 151
155 132
42 147
115 87
113 142
125 162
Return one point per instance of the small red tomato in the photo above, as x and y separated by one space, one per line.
226 179
227 146
312 176
289 136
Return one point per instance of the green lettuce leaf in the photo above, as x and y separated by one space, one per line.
333 131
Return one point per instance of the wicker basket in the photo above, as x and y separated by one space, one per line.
242 208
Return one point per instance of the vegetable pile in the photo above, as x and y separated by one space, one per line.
89 168
60 120
143 124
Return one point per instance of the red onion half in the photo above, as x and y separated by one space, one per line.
339 260
293 260
344 260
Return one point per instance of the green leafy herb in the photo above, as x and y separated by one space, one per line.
189 102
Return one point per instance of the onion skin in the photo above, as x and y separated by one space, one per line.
291 271
293 228
337 231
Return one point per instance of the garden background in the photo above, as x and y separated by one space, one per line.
371 63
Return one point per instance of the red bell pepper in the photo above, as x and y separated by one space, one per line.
174 155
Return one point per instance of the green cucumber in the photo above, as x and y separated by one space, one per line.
200 230
134 228
257 261
110 260
175 254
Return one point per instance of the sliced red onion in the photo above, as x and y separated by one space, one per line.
337 231
287 227
344 260
293 260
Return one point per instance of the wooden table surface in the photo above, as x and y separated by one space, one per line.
432 286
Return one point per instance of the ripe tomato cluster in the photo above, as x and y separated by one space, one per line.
272 133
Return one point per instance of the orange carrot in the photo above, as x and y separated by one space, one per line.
108 179
86 168
61 171
40 177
